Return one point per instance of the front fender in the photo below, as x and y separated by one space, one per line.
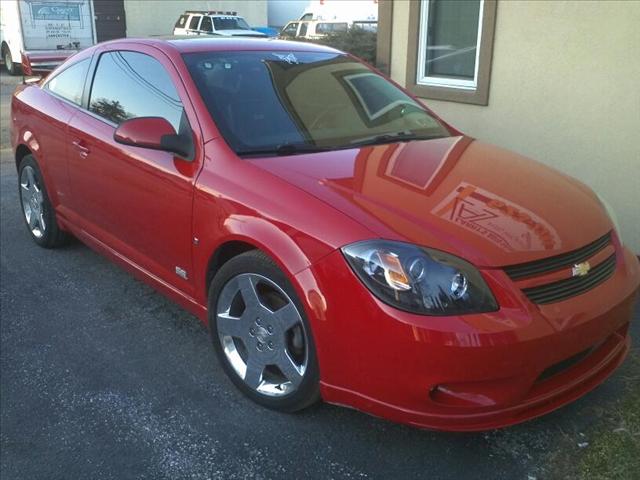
270 237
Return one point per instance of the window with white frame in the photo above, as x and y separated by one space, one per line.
449 44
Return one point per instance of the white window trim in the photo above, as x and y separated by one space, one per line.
421 78
372 115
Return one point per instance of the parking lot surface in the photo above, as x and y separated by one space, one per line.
102 377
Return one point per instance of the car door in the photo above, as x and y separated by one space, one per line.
135 200
57 109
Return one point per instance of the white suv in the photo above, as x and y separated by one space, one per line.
229 24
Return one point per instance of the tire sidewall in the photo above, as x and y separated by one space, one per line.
12 70
258 263
50 230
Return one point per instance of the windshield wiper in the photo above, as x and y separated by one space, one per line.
284 149
391 138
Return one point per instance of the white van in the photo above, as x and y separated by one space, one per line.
311 29
39 26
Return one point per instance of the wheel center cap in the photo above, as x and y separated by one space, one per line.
262 334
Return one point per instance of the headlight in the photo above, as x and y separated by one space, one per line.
612 216
419 280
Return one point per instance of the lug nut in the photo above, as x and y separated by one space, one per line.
258 321
271 345
259 346
252 332
270 329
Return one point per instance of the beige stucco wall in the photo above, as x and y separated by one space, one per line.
565 90
158 17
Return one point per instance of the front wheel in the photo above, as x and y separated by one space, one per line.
261 334
37 210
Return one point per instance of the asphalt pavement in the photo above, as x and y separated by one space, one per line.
101 377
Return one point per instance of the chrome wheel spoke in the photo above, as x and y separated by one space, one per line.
253 375
231 326
248 291
41 222
287 316
30 177
288 368
33 222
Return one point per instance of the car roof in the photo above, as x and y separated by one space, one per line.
201 43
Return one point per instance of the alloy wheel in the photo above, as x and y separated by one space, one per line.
262 334
32 201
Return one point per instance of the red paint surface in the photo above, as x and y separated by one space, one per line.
492 207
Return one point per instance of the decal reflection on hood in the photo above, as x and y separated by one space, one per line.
506 224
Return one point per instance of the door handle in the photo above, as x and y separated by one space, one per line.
82 149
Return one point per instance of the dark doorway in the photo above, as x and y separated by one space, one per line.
110 19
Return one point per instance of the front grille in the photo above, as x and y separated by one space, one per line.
537 267
560 290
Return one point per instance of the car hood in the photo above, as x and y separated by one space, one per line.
480 202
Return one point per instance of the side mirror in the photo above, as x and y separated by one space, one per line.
155 133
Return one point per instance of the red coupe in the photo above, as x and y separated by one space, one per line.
340 240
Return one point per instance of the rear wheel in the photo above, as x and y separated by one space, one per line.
37 210
261 334
12 68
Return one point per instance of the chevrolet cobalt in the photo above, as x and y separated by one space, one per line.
341 241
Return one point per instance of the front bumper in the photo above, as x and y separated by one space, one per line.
471 372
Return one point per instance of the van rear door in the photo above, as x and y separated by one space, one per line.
56 25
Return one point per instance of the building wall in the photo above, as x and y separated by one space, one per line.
158 17
564 90
281 12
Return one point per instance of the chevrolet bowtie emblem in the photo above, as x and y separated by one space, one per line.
580 269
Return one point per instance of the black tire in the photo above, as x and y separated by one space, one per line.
256 262
52 236
12 67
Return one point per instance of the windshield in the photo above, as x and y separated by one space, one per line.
230 23
262 101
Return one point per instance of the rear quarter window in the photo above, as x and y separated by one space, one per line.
182 21
69 83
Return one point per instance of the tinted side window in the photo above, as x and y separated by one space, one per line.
303 30
129 85
206 24
193 24
70 82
